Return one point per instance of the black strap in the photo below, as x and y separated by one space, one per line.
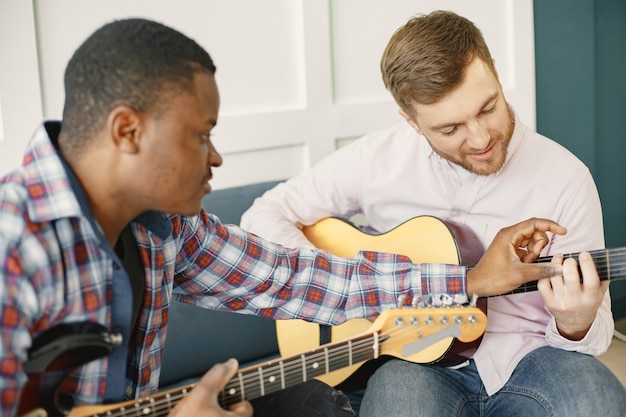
126 249
325 334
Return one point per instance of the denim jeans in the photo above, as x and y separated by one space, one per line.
547 382
311 399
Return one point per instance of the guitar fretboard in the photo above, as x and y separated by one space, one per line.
257 381
280 374
610 264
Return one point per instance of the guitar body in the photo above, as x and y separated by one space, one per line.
424 239
53 355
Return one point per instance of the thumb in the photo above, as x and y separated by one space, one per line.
220 374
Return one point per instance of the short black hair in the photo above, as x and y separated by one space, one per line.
126 62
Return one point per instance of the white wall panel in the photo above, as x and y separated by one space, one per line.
296 77
361 29
259 165
257 46
20 92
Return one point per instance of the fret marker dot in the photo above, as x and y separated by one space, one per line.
316 365
272 378
232 391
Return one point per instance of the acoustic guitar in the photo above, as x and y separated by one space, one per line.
424 239
400 332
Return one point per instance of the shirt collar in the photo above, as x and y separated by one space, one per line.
54 189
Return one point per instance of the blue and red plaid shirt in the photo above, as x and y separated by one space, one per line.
55 269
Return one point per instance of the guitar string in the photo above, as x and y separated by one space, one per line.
601 257
608 268
335 355
162 405
296 378
363 349
167 401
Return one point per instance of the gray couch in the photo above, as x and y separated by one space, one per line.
198 338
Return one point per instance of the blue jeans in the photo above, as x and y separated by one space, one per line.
547 382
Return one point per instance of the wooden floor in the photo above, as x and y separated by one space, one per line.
615 357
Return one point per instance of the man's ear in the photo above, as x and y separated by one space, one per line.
410 121
124 124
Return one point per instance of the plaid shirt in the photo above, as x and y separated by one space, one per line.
54 269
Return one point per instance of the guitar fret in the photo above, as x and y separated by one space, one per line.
242 390
608 266
282 374
376 346
326 362
350 352
303 363
261 382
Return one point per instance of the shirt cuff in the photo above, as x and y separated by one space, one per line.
587 344
443 284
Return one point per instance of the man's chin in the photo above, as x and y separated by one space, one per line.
487 168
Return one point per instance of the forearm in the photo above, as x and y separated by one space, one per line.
251 274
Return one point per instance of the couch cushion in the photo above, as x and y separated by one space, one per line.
198 338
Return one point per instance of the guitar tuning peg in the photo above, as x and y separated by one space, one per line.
401 300
415 302
474 300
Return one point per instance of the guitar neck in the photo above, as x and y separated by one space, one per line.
257 381
254 381
610 264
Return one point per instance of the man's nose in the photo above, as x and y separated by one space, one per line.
478 135
214 158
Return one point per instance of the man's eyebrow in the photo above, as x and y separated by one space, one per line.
452 124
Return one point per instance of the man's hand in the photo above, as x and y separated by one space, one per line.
573 304
202 401
504 266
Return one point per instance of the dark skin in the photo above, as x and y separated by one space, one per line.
523 242
161 162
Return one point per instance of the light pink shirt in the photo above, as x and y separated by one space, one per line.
393 175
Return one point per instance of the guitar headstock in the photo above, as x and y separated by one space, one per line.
423 335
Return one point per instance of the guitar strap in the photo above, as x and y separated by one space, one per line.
126 250
128 279
325 334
